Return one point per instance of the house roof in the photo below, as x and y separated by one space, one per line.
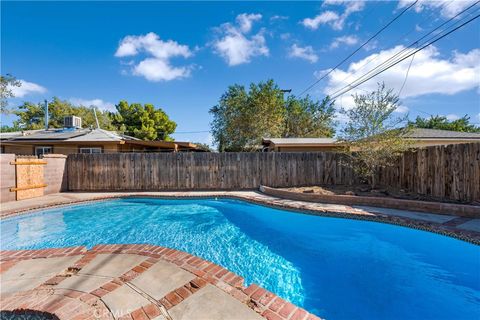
99 135
80 135
86 135
53 134
14 134
299 141
421 133
415 133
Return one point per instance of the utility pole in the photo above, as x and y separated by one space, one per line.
46 115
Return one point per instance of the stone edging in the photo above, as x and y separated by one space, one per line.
461 210
262 301
348 213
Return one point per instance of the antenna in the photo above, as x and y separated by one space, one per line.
96 119
46 115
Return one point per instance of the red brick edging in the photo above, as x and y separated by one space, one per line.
461 210
447 229
262 301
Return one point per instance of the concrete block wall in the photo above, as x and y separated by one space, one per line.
7 177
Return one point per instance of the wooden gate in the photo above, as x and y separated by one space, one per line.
29 178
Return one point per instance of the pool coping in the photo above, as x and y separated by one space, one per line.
263 302
444 208
373 214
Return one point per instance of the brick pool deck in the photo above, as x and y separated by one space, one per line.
132 282
151 282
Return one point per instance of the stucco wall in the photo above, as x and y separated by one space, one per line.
59 148
7 177
54 174
21 150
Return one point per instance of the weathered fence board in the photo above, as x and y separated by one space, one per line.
446 172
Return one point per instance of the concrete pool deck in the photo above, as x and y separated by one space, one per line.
467 229
132 282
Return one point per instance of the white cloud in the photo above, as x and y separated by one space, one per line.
320 73
323 18
278 18
245 21
429 73
26 88
306 53
448 8
345 40
158 67
234 44
401 109
335 20
99 103
452 117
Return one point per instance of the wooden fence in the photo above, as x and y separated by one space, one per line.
203 171
451 172
445 172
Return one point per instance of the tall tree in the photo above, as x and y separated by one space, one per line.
7 83
265 111
306 118
373 133
440 122
143 121
32 116
228 127
242 118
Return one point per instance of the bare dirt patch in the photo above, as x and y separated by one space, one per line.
366 191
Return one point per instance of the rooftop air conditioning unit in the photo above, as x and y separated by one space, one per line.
72 122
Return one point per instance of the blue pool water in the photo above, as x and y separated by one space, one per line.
335 268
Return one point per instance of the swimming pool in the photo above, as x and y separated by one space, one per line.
335 268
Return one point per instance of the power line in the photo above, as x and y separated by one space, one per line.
376 57
411 46
359 48
350 86
406 76
360 81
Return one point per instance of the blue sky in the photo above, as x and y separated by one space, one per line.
181 56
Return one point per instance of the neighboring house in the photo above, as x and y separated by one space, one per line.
70 140
421 138
300 144
434 137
